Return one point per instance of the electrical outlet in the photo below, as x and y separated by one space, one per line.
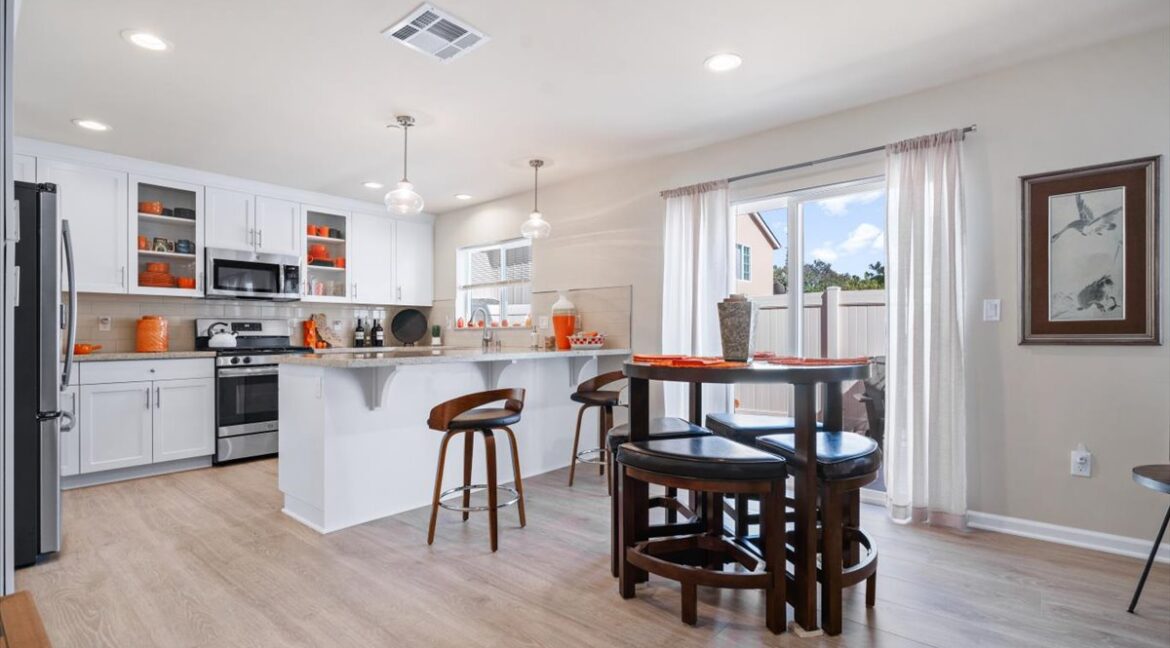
1082 462
543 322
990 310
104 322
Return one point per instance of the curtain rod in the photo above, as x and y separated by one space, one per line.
831 158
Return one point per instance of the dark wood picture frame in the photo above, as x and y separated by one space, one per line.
1132 301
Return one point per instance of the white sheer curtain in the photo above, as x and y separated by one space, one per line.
696 276
925 454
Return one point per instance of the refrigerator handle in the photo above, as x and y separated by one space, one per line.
71 339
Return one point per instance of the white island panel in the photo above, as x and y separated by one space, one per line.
343 463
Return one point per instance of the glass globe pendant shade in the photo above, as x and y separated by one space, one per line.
535 227
403 199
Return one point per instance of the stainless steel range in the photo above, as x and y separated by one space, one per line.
246 383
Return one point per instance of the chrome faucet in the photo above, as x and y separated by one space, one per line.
488 334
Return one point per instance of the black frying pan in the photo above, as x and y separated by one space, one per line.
408 326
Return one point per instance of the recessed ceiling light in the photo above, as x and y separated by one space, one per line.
462 196
145 40
723 62
90 124
373 185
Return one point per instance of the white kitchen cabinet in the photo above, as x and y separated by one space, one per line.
229 219
183 418
116 425
371 258
173 229
93 200
326 279
278 226
413 263
70 440
24 168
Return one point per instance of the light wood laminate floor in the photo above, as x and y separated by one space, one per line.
205 558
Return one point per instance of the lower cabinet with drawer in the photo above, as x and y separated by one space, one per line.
140 412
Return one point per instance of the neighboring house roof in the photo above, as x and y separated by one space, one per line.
765 230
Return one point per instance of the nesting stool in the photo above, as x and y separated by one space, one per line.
845 462
591 394
745 429
660 428
711 465
468 415
1155 477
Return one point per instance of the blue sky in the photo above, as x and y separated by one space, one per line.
847 231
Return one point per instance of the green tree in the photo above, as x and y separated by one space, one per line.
820 275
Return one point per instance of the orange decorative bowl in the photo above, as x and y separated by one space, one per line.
150 207
155 266
186 282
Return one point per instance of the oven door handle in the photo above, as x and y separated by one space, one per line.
248 371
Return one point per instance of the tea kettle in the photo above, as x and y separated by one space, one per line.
225 338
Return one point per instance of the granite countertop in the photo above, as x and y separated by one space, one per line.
423 356
102 356
388 349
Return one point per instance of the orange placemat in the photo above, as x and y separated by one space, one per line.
686 361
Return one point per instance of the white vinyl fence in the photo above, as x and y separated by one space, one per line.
836 324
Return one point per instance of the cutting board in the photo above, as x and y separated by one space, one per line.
325 331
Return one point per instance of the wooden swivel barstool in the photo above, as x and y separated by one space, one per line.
591 394
467 415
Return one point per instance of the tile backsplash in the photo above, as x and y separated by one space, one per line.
607 310
181 313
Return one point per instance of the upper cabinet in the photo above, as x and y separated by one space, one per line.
372 254
229 219
413 263
94 201
166 231
326 254
278 226
24 168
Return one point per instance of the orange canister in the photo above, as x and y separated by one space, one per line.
310 328
152 334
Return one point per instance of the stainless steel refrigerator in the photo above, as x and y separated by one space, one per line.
40 376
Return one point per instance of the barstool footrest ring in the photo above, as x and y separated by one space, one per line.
585 456
475 488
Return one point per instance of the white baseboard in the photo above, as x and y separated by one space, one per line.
1071 536
1083 538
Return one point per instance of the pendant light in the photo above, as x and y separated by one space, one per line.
403 199
535 227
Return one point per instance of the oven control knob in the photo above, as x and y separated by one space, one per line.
247 360
235 361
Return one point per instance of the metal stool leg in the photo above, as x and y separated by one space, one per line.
1149 563
576 440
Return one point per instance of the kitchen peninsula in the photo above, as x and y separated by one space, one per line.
354 443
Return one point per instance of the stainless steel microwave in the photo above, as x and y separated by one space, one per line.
253 275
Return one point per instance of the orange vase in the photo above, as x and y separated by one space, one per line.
152 335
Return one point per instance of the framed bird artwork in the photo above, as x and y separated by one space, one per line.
1090 255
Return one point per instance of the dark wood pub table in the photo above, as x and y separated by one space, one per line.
805 380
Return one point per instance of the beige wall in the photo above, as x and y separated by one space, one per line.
1029 406
748 233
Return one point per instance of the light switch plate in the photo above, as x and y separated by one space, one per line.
991 310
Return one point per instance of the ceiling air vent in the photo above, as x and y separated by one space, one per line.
435 32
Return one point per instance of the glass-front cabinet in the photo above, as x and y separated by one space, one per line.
326 275
166 237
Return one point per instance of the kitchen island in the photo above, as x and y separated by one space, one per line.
354 444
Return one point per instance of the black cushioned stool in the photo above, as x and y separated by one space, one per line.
711 465
660 428
467 415
591 394
745 429
845 462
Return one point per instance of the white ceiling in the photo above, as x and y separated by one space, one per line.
297 92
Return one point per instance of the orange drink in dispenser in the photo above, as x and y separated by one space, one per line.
564 321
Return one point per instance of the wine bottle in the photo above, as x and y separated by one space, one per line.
379 334
359 335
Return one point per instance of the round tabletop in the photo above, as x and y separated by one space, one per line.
753 372
1154 477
